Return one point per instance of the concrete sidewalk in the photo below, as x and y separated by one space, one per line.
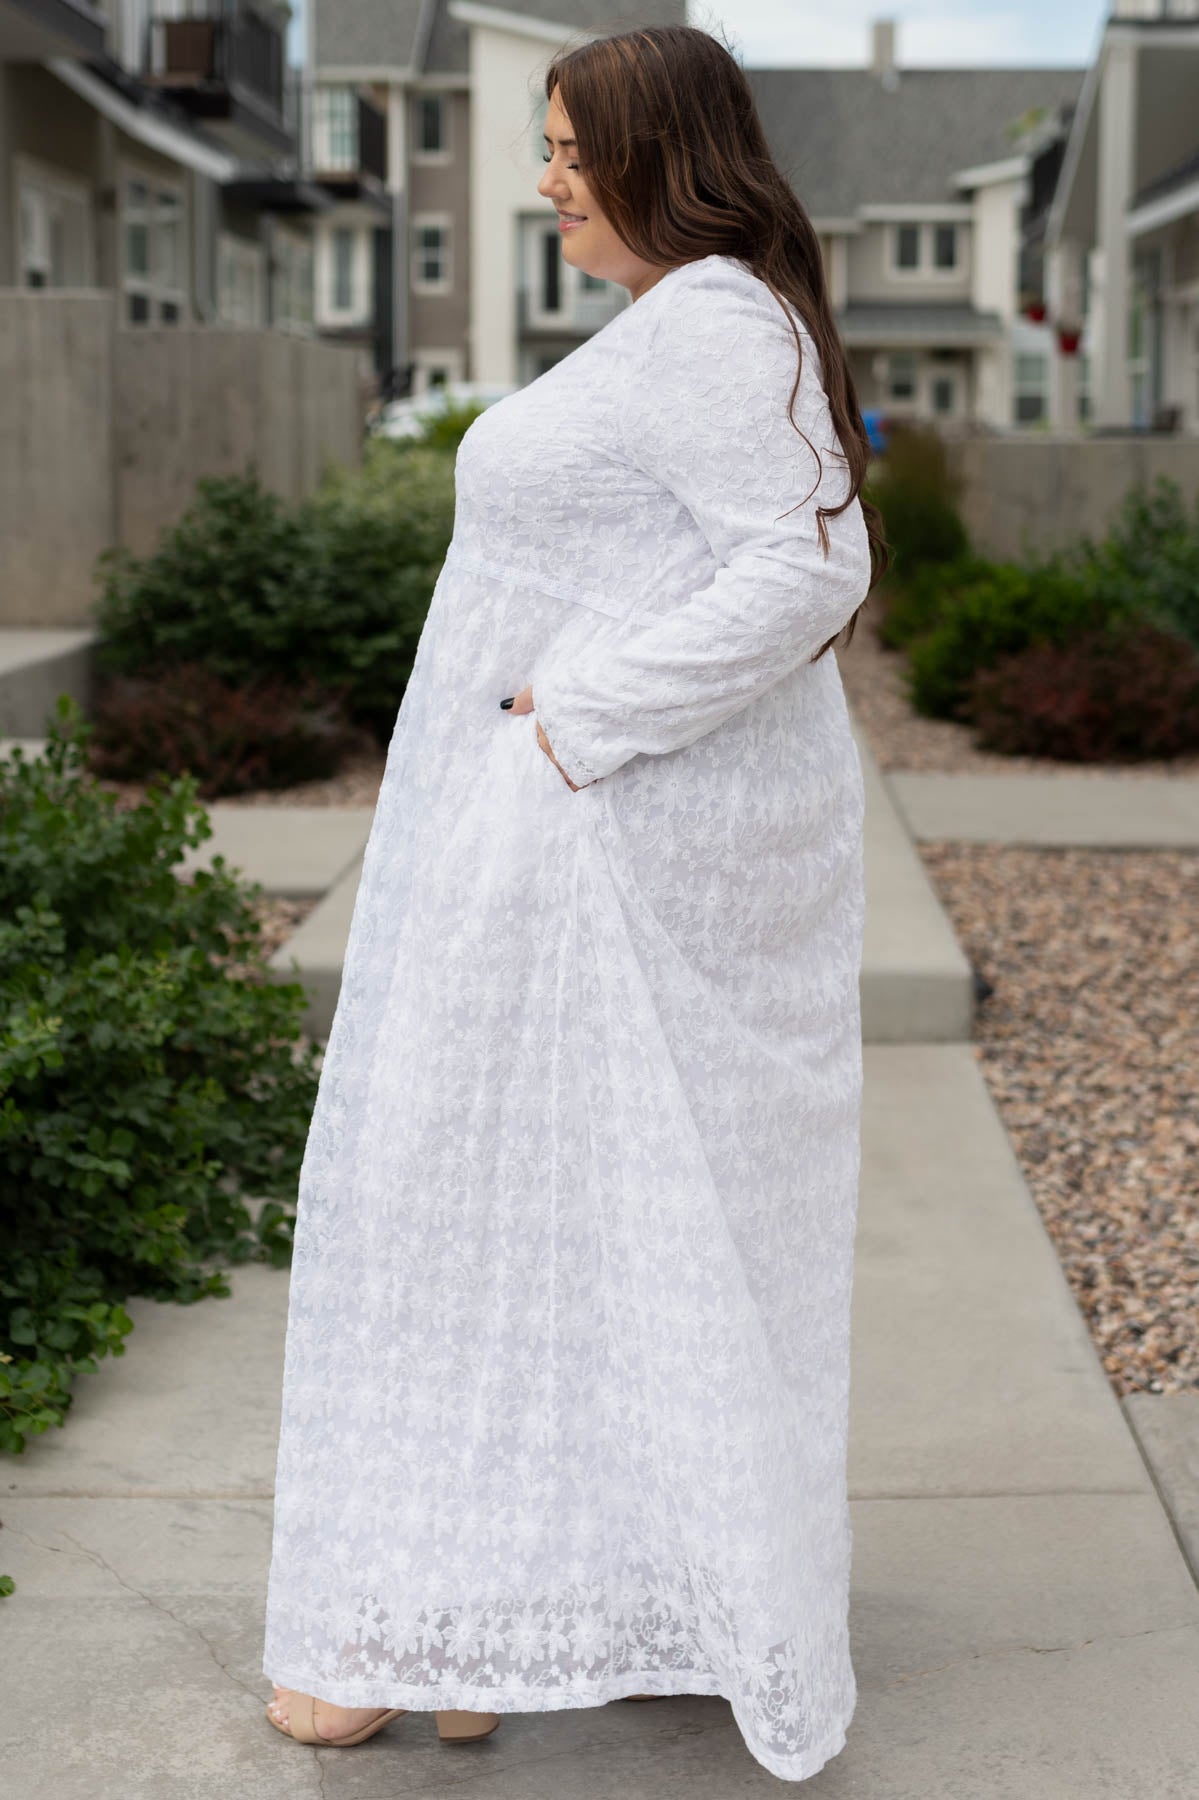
1023 1623
1108 811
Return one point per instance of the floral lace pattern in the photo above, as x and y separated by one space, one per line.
567 1366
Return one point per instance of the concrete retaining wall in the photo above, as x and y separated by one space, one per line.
1040 493
105 431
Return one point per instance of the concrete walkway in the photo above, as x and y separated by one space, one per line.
1023 1623
35 668
1101 811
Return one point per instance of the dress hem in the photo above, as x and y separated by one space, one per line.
413 1696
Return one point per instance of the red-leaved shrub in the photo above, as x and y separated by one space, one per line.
1121 693
269 733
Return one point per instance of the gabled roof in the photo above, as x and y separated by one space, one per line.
423 35
844 140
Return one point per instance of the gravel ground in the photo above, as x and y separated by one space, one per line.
1090 1046
901 739
279 919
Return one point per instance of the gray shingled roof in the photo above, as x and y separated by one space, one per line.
916 322
352 34
844 140
368 33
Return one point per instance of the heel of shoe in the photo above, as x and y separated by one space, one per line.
465 1727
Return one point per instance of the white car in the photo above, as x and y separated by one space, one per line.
403 418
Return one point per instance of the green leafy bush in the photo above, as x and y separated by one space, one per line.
917 490
912 608
444 427
381 533
267 734
334 590
1112 694
995 615
1149 560
152 1075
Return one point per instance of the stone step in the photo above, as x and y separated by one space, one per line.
35 668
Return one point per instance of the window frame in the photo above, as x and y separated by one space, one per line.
926 267
156 291
41 182
420 221
416 150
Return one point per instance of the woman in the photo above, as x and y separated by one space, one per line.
566 1384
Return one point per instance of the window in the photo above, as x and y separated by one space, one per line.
430 124
239 281
929 248
1030 388
907 247
901 375
291 300
431 255
551 273
342 267
55 231
945 246
336 128
151 221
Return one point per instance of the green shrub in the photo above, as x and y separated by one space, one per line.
382 533
912 608
445 427
1149 560
334 590
152 1075
995 615
1113 694
267 734
236 585
916 489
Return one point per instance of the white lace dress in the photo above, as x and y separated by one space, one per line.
567 1365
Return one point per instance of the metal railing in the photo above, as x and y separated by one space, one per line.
235 49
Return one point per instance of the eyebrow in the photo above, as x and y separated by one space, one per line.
567 143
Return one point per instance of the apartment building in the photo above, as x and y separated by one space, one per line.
149 148
1122 236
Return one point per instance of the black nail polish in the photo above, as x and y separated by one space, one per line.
507 703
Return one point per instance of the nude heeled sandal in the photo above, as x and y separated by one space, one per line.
452 1727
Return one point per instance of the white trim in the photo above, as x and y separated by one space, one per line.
151 132
498 18
986 174
378 73
944 213
1166 211
838 227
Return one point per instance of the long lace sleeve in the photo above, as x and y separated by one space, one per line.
706 417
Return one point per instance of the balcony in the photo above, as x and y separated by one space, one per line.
348 142
35 30
225 65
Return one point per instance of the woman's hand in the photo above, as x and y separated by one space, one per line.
523 703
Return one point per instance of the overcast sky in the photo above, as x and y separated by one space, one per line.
791 33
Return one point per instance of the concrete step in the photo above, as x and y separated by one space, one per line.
296 852
35 668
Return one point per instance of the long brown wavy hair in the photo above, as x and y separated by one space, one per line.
671 145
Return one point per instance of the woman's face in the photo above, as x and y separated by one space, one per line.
593 245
